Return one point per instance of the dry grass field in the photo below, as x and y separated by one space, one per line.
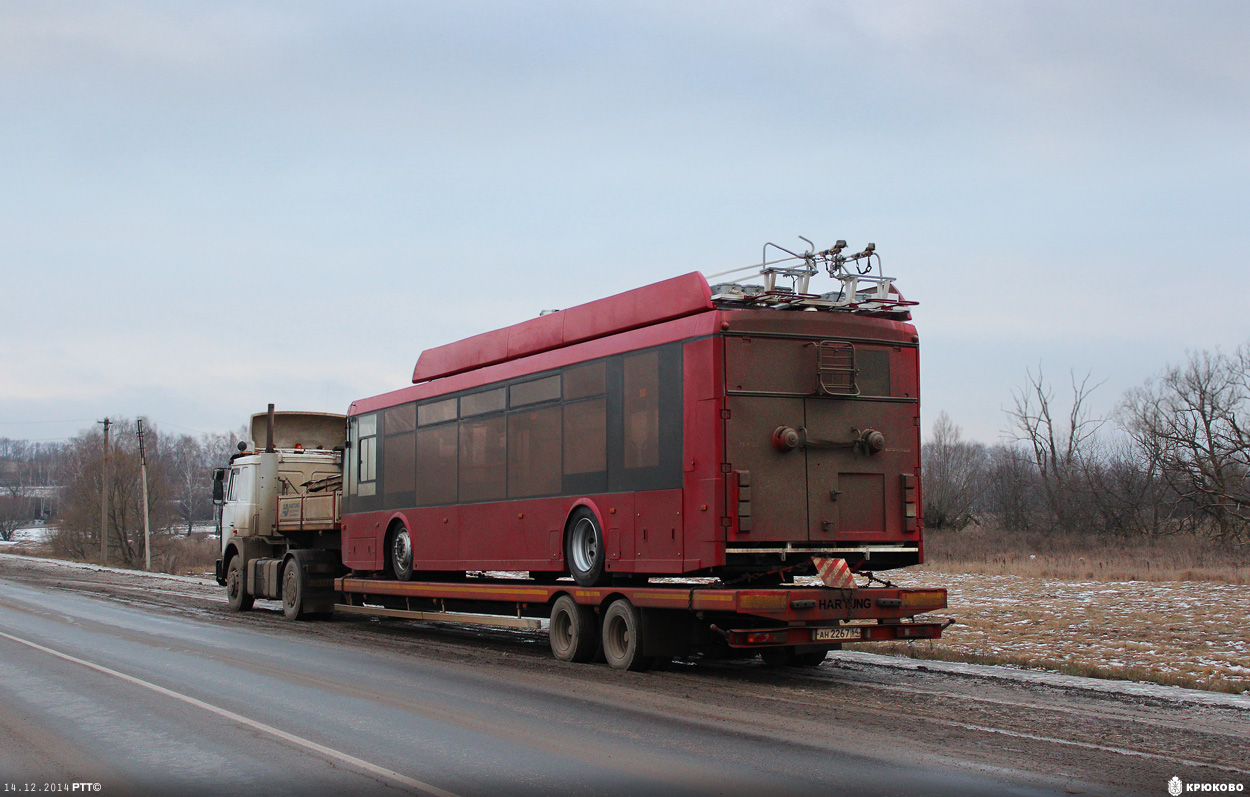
1167 613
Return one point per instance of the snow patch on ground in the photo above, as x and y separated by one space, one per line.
4 557
28 535
1179 628
1058 680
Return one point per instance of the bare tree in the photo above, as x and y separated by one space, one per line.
1193 421
189 462
1128 491
18 507
77 532
185 459
954 472
1058 445
1011 491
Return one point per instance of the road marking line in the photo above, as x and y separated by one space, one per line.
416 785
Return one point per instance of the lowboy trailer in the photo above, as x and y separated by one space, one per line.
636 627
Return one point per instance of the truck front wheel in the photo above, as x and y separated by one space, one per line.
236 589
293 588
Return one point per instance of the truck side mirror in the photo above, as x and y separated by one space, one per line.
219 486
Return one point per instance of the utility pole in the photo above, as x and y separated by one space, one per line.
104 497
143 479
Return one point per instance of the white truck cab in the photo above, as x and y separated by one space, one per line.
279 499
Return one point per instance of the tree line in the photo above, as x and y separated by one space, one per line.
179 475
1172 458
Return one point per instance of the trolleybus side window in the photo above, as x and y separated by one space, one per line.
642 410
436 412
399 425
437 463
483 463
366 454
586 437
534 391
482 403
584 381
534 451
585 427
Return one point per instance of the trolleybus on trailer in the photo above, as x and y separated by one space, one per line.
682 428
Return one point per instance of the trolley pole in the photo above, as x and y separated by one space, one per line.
104 497
143 479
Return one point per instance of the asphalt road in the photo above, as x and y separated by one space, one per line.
147 685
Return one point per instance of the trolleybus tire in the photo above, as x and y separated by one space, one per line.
236 586
399 552
584 551
622 637
574 631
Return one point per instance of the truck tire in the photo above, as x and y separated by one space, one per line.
236 587
622 637
399 552
584 551
574 631
293 588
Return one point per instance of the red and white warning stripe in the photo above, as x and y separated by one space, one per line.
835 573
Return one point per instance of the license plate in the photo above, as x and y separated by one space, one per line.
834 634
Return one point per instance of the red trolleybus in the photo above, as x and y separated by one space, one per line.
677 429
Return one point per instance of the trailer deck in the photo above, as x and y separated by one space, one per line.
741 617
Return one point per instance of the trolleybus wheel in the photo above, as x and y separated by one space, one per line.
584 551
574 631
236 590
293 590
622 637
401 553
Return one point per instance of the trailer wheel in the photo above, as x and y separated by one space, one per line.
622 637
574 631
236 589
293 588
584 550
400 549
809 658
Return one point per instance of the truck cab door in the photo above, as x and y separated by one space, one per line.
239 509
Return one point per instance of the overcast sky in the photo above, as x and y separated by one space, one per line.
211 206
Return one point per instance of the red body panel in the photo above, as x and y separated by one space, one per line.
651 304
